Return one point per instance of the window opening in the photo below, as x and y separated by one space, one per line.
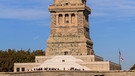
23 69
18 69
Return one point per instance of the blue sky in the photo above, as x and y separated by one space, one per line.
25 24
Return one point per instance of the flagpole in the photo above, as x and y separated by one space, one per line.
119 57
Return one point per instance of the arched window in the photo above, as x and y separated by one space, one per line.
60 18
73 18
66 18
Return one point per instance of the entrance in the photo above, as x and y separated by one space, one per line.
65 53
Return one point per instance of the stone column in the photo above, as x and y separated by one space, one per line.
57 19
70 18
76 19
63 15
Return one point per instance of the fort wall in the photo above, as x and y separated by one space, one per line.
70 73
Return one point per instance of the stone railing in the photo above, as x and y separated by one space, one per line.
66 4
70 6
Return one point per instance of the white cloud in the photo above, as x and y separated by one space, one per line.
31 9
37 9
36 38
23 13
113 8
99 14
